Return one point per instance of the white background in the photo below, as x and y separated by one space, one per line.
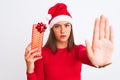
17 17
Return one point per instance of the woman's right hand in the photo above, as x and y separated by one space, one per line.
31 55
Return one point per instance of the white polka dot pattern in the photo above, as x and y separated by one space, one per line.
37 38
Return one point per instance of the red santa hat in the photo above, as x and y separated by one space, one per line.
57 13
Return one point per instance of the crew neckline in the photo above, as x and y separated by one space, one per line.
62 48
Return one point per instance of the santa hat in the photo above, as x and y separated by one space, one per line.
57 13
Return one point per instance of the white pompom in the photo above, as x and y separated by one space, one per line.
48 17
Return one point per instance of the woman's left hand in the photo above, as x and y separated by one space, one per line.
101 51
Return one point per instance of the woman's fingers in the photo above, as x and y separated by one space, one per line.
96 31
111 38
29 52
102 26
89 50
107 30
36 58
102 29
27 49
32 57
33 54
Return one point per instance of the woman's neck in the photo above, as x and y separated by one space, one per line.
62 44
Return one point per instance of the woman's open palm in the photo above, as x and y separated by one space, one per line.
101 51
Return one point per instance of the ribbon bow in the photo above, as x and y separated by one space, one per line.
41 27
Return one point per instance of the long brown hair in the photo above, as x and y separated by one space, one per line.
51 42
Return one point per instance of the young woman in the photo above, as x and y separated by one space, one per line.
60 58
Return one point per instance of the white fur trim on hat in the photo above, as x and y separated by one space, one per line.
60 18
48 17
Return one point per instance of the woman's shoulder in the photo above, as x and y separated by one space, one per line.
79 46
44 49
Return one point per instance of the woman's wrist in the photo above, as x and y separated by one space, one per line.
99 66
30 70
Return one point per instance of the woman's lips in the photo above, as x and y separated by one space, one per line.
63 36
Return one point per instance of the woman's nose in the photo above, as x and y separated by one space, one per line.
62 29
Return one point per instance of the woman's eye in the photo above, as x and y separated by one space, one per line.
57 26
67 25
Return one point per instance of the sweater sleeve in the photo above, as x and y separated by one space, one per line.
82 55
38 73
31 76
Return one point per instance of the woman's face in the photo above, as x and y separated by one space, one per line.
62 31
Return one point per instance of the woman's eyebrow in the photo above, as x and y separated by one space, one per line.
56 24
64 23
67 23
